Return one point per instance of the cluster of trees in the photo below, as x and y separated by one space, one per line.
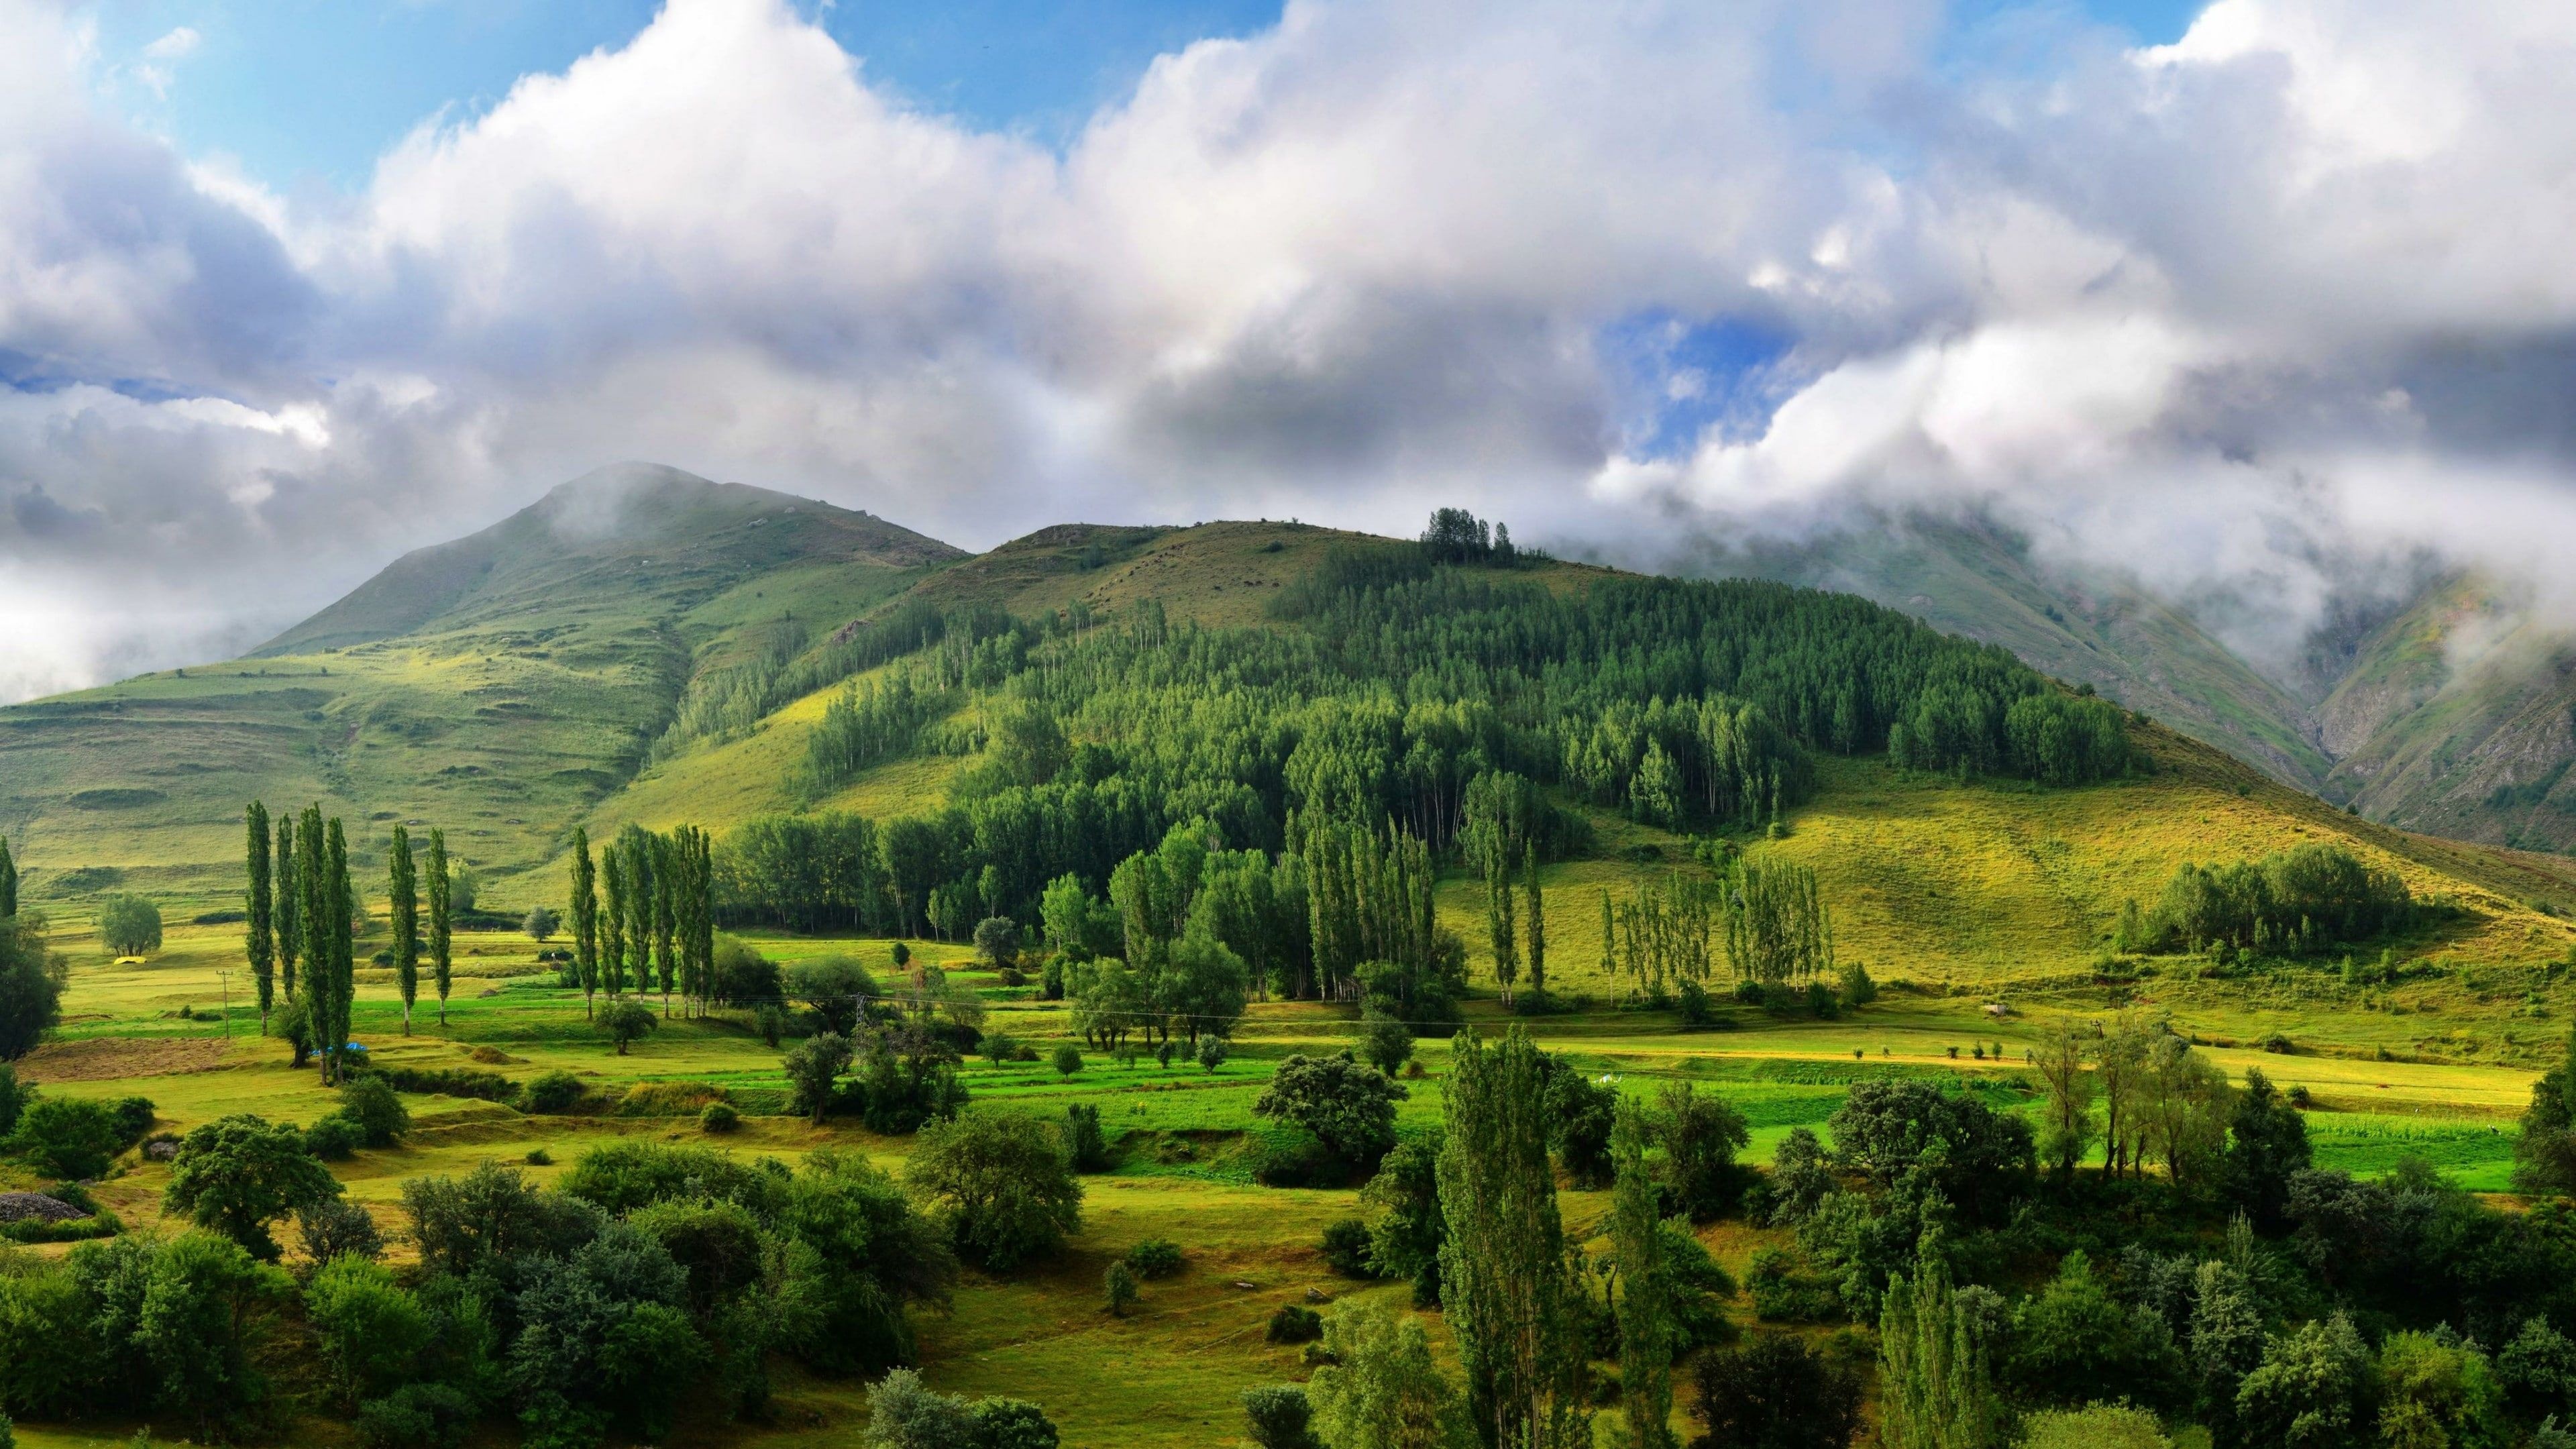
300 921
1769 918
725 702
651 1277
1469 1213
2238 1287
2295 902
2043 734
1667 762
867 725
644 916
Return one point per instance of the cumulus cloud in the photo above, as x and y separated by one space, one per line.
2243 314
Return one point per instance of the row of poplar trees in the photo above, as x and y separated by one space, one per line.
644 915
300 924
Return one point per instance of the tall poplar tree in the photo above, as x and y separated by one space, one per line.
344 975
287 889
402 904
612 921
1503 1281
259 906
8 880
312 882
666 890
638 851
1537 920
442 925
1645 1305
585 918
1936 1385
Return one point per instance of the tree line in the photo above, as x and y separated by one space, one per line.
2295 902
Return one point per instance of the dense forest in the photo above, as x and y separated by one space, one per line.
1403 685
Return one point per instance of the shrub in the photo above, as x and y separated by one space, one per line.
133 1119
2095 1426
999 1184
452 1081
1117 1290
719 1117
744 977
539 1157
1346 1248
1385 1041
1295 1323
66 1137
999 1047
1776 1393
1068 1059
1277 1416
551 1092
1694 1003
332 1137
1212 1052
1012 1424
1155 1258
417 1416
371 1104
1084 1145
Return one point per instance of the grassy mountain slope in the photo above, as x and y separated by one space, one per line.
509 721
497 685
1978 580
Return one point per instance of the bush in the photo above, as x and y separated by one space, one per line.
1346 1248
371 1104
744 977
133 1119
551 1092
452 1081
1212 1052
627 1175
332 1137
1068 1059
814 1070
1084 1145
417 1416
1696 1007
1776 1393
1385 1041
369 1329
2095 1426
1295 1323
999 1047
1277 1416
1117 1290
999 1184
1155 1258
66 1137
719 1117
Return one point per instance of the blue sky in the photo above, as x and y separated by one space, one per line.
308 93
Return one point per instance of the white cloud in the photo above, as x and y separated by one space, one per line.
2221 312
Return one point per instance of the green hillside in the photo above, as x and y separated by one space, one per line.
499 685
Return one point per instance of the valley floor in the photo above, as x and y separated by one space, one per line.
1170 1373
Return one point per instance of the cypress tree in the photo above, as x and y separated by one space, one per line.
1537 921
8 881
287 890
585 918
612 932
1645 1308
258 911
1503 1283
442 955
402 903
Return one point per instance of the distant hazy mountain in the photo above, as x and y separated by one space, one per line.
2455 714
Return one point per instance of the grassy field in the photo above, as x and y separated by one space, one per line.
1168 1374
